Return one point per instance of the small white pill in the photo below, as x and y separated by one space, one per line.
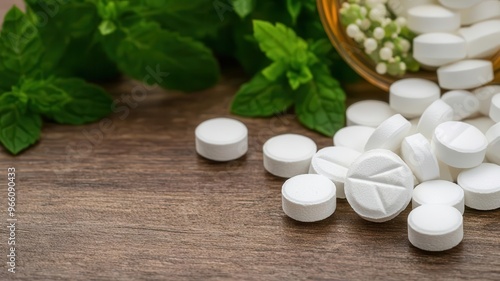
414 126
465 74
437 49
495 108
438 112
481 186
493 137
459 144
354 137
401 7
464 103
333 162
447 172
459 4
368 113
483 38
378 185
308 198
416 152
481 123
288 155
221 139
438 192
432 18
389 134
435 227
483 11
410 97
484 95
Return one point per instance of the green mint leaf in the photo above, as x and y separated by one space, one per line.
320 104
107 27
294 7
297 78
19 128
274 71
21 49
243 7
321 47
166 58
278 42
261 98
44 97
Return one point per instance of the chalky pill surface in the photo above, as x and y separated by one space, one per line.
485 10
333 163
464 103
389 134
483 38
438 192
438 112
495 108
459 145
410 97
493 137
435 227
481 186
401 7
288 155
459 4
416 152
482 123
484 95
437 49
448 173
432 18
379 185
465 74
354 137
368 113
308 198
221 139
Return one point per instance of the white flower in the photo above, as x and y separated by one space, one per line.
370 45
381 68
379 33
385 53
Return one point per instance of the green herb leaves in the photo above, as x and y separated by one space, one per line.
296 76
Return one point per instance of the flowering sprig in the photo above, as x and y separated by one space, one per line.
384 38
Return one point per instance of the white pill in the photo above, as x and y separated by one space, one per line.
447 172
459 144
435 227
493 137
438 192
437 49
354 137
438 112
411 96
481 123
484 95
483 11
481 186
465 74
432 18
416 152
333 162
401 7
221 139
308 198
288 155
495 108
464 103
378 185
459 4
389 134
368 113
483 38
414 126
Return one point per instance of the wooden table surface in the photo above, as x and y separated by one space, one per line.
129 199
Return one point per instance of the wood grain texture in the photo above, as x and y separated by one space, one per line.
136 203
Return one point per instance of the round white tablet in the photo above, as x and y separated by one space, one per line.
288 155
354 137
464 103
465 74
389 134
482 38
368 113
495 108
481 123
308 198
435 227
221 139
481 186
484 95
459 144
401 7
459 4
438 192
432 18
493 136
416 152
411 96
437 113
378 185
333 162
437 49
485 10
